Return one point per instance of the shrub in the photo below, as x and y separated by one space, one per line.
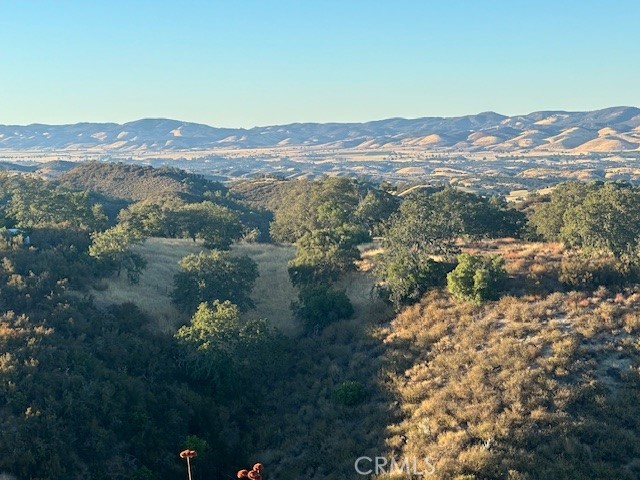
320 305
349 393
420 238
216 275
477 278
405 281
582 270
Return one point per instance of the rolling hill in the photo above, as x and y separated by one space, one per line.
134 182
610 129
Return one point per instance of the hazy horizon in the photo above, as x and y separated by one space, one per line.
319 123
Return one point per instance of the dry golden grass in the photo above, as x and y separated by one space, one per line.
471 378
272 294
368 252
533 267
151 294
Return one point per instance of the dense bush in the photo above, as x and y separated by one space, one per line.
40 204
218 346
89 391
548 217
329 204
216 275
350 393
419 240
216 225
593 269
598 216
320 305
477 278
112 248
322 256
295 202
168 202
326 219
95 393
405 281
137 182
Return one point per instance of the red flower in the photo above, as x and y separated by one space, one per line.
253 475
243 473
258 467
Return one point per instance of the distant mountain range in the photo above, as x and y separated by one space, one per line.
610 129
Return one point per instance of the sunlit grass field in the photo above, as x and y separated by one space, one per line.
273 293
152 293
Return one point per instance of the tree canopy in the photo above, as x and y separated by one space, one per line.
320 305
323 255
42 205
216 275
218 343
113 248
217 225
329 204
598 216
419 239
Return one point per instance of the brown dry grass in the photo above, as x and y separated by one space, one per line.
151 294
368 253
471 377
533 267
272 294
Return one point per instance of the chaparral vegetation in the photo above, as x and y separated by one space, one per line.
306 323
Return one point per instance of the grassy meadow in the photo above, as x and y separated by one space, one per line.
151 293
272 294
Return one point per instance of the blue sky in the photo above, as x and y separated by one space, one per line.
259 62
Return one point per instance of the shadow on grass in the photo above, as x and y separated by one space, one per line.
305 431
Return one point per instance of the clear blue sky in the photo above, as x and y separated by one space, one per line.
257 62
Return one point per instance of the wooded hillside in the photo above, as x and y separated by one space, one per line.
482 339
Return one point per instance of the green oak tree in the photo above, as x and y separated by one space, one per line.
112 248
216 275
419 240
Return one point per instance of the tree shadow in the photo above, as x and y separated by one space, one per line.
308 430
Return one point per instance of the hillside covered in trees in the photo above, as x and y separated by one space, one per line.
440 331
132 182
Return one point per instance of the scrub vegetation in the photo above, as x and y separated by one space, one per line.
303 324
